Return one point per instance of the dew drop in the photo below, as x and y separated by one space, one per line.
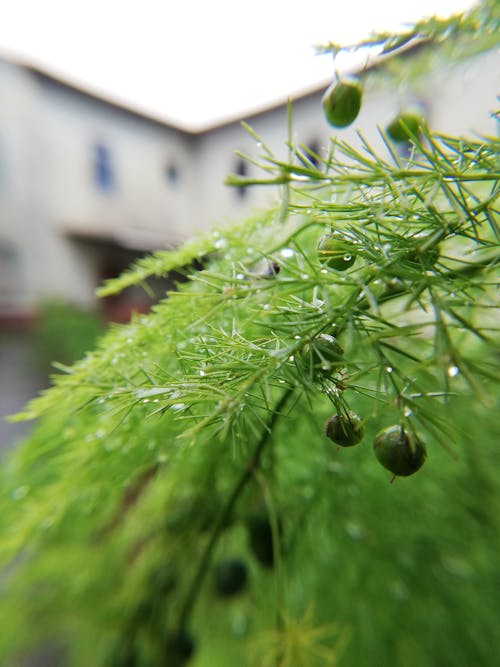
287 252
389 369
47 523
266 306
20 492
239 624
453 371
354 530
407 411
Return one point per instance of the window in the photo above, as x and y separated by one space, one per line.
3 167
172 172
310 154
10 278
103 169
241 169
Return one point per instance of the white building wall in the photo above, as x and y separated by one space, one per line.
142 203
48 132
217 159
140 153
22 210
48 136
458 99
464 95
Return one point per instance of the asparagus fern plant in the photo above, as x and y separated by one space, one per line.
181 501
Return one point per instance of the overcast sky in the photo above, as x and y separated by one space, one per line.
196 61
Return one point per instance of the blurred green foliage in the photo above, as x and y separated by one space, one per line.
195 434
107 511
64 333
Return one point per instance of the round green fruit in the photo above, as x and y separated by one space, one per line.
424 257
124 656
345 430
230 576
260 537
405 126
162 580
328 349
323 356
342 102
400 452
179 648
336 253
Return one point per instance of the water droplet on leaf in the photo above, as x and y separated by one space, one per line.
20 492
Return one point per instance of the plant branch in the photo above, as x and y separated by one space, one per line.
226 512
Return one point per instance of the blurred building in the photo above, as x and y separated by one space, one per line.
87 185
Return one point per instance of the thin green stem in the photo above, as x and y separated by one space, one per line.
225 515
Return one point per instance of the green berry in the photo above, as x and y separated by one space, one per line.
345 430
424 257
326 353
322 356
336 253
328 349
162 580
405 126
230 576
400 452
342 102
179 647
260 536
124 655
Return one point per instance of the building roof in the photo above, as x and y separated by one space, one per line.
55 79
102 97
